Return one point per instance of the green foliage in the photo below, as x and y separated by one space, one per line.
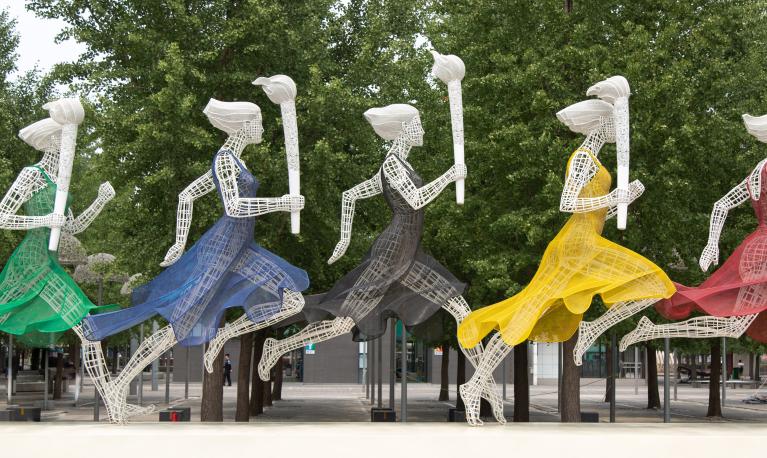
695 66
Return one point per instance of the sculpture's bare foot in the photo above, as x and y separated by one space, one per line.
268 359
214 348
495 402
471 403
586 338
643 328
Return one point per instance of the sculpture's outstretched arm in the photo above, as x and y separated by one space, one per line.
582 170
21 190
732 199
227 171
79 224
198 188
417 197
364 190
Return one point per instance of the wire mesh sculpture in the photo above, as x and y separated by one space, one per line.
396 278
735 295
578 263
38 299
225 269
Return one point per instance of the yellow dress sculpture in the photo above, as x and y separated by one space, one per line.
578 264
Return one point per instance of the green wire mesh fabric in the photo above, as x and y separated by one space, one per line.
38 299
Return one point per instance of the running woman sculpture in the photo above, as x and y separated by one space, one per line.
734 297
578 263
38 298
224 269
396 278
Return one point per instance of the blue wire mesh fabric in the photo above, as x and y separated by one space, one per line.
224 269
407 283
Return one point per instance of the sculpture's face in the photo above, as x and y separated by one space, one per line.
413 131
608 129
253 130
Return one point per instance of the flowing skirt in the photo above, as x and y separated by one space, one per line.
737 288
38 298
577 265
224 269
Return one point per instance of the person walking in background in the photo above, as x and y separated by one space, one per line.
227 370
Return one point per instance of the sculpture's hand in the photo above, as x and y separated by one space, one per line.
173 255
458 172
106 191
709 256
292 203
54 220
339 250
636 189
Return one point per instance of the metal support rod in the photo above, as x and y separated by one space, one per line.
366 370
188 373
167 377
676 372
392 354
403 397
45 378
724 371
96 403
666 381
10 368
141 374
636 369
559 377
156 362
379 369
372 371
613 370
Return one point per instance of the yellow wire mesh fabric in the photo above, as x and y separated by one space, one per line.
578 264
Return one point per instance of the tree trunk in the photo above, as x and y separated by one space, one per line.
58 378
653 396
444 375
277 387
76 356
694 368
35 363
257 386
115 351
268 390
521 384
570 397
714 399
212 404
460 379
568 6
243 378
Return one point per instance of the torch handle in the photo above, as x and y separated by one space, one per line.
66 159
290 127
623 183
622 138
456 121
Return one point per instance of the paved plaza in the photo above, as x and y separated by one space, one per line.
309 403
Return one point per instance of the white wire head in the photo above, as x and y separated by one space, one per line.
390 122
236 118
41 134
588 116
756 126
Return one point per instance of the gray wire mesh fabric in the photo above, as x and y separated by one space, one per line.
395 274
224 269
